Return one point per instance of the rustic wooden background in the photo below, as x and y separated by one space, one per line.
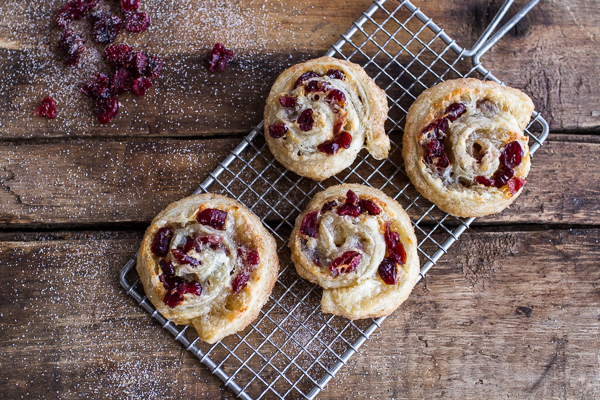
513 310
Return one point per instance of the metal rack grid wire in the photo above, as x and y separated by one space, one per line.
292 349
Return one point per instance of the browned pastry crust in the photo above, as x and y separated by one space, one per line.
494 117
362 115
217 311
360 292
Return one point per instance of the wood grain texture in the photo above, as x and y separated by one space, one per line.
82 183
551 55
503 315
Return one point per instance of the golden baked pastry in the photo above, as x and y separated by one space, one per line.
359 245
208 261
464 146
321 113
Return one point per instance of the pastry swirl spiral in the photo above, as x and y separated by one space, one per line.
359 245
464 146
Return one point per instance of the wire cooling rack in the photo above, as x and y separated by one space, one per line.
292 349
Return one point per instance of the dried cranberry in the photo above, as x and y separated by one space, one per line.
167 268
388 271
502 176
194 288
329 147
317 87
434 150
154 67
439 126
310 225
140 85
212 217
72 10
137 22
161 241
106 27
106 109
394 246
482 180
335 74
170 281
398 254
47 108
219 58
328 206
140 61
370 207
351 197
288 101
73 45
252 257
352 210
183 258
239 282
347 262
96 87
119 55
511 155
515 184
188 245
130 5
213 241
336 96
304 77
454 111
120 82
344 140
443 161
173 298
305 120
277 131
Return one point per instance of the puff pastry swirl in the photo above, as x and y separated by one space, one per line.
359 245
321 113
208 261
464 146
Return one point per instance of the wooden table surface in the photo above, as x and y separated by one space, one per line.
512 311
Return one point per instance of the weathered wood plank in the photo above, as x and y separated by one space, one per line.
510 314
551 55
82 183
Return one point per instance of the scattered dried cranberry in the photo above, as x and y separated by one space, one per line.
336 74
213 241
454 111
288 101
194 288
351 197
106 27
328 206
170 282
72 10
137 22
97 86
154 67
120 82
212 217
188 245
173 298
317 87
515 184
336 96
239 282
277 131
305 120
443 161
482 180
394 246
140 85
511 155
106 109
252 257
46 109
347 262
219 58
370 207
130 5
73 45
304 77
183 258
329 147
310 225
119 55
344 140
140 62
502 176
161 241
388 271
435 149
167 268
352 210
